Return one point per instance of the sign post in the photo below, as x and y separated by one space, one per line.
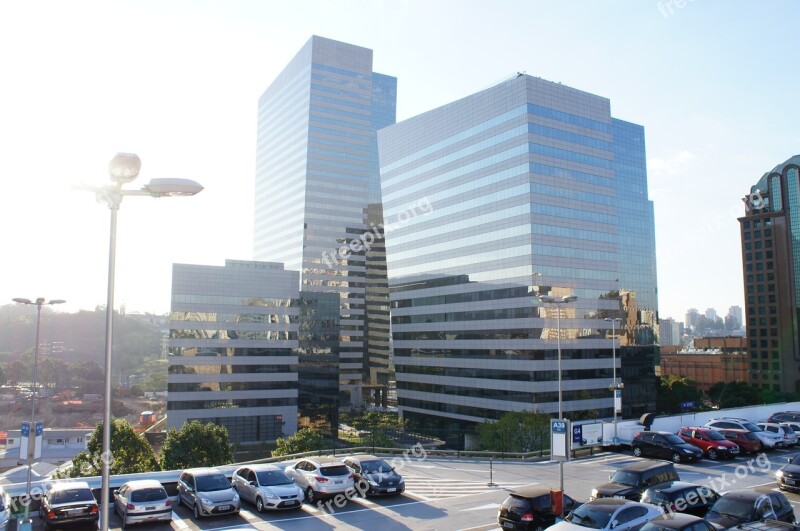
559 439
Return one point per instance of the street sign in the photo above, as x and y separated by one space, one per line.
559 439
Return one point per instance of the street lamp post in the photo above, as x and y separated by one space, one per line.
614 387
39 303
122 169
547 299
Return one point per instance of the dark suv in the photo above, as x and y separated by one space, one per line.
528 509
664 445
70 503
785 416
631 481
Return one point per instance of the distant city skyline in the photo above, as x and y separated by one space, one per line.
83 84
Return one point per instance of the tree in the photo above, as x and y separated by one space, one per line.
734 394
305 440
515 432
378 423
196 444
131 453
672 391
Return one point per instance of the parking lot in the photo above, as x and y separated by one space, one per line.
450 494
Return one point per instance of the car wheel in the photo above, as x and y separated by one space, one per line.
637 451
712 454
310 495
259 504
676 457
197 514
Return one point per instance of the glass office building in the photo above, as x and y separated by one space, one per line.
526 189
770 230
317 196
233 349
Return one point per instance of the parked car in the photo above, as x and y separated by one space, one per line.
377 475
5 509
608 513
788 475
321 477
664 445
632 480
783 431
769 525
207 492
143 500
678 522
740 506
69 503
768 440
267 487
681 497
785 416
528 509
713 444
791 432
746 440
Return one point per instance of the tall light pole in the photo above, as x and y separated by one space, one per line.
614 387
122 169
558 302
39 303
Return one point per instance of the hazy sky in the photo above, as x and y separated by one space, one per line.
715 84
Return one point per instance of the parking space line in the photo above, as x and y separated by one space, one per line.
179 521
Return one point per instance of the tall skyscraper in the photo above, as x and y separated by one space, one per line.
735 313
526 189
711 314
771 257
233 349
318 201
692 318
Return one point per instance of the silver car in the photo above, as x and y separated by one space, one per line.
207 492
267 487
143 500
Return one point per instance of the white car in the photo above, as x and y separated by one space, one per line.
142 500
784 431
5 510
267 487
768 440
604 514
321 477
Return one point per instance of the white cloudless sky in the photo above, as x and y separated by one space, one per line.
714 83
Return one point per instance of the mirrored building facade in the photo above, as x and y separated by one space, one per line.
317 196
526 189
234 345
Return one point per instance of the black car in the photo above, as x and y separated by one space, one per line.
789 475
664 445
631 481
678 522
769 525
374 476
742 506
528 509
681 497
785 416
70 503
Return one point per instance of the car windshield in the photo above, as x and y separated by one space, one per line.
739 509
212 483
71 495
788 429
334 470
651 526
750 436
376 466
750 426
148 495
270 478
623 477
593 516
655 497
796 460
674 439
714 435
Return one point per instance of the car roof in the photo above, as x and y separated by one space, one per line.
672 486
675 520
324 460
746 495
263 467
63 485
611 502
656 431
144 484
202 471
646 465
361 457
532 491
703 428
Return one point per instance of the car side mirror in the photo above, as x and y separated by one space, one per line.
610 476
614 523
189 489
252 483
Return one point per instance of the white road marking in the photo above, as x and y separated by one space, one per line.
179 521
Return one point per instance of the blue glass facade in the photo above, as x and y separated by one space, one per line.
526 189
317 194
770 232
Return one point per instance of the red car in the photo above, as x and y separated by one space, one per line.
712 442
745 439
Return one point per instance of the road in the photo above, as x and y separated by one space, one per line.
451 495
